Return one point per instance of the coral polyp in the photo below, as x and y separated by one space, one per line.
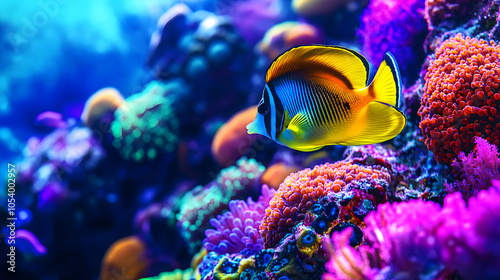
340 181
461 97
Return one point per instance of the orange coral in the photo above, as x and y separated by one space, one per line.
232 141
461 97
126 258
276 173
301 190
104 101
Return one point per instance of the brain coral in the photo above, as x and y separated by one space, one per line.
146 124
461 97
305 188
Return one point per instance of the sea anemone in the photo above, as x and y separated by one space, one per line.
203 203
237 231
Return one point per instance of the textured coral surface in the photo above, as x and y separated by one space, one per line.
301 190
461 97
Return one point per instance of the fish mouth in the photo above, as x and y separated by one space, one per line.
251 128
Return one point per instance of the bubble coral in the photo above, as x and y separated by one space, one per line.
127 257
232 141
201 204
146 124
477 170
395 26
100 105
461 98
303 189
237 231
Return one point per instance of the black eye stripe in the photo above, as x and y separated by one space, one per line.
280 112
267 117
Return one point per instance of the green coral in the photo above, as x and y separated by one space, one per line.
146 124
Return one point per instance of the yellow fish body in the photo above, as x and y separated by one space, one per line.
318 95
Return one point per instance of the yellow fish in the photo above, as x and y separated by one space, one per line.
318 95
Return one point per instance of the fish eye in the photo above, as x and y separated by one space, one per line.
263 109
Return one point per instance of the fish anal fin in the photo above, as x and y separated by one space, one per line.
379 122
342 65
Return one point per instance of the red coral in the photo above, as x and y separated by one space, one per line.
461 97
303 189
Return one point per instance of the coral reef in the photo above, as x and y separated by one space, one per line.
395 26
203 203
421 239
126 257
232 141
146 124
355 187
237 231
460 99
477 170
275 174
449 13
59 164
100 107
286 35
316 7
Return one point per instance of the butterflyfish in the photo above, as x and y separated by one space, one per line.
316 96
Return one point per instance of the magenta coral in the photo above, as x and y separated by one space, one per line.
237 231
478 169
470 235
461 97
420 240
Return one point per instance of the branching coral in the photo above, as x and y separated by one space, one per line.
478 169
146 124
237 231
301 190
461 97
201 204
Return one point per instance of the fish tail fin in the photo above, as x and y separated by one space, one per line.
378 122
386 86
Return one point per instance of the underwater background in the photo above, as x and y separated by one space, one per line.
124 152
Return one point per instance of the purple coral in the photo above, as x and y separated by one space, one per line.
203 203
419 240
237 231
478 169
470 235
395 26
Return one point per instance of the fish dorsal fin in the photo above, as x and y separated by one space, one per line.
341 65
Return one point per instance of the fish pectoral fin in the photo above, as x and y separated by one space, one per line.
299 124
378 122
295 135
